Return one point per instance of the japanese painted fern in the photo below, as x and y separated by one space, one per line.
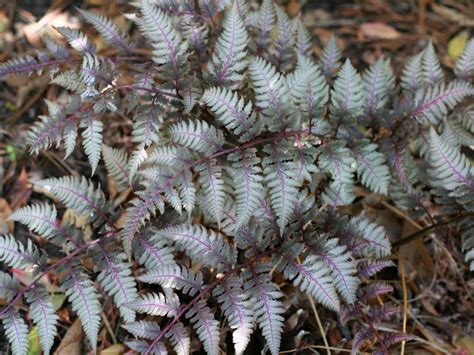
245 146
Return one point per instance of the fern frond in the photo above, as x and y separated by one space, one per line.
347 95
57 50
153 252
431 67
143 329
268 308
412 74
271 93
374 235
175 276
464 68
9 286
237 308
41 219
116 161
197 135
330 59
450 168
233 112
180 339
142 347
284 40
84 298
25 64
43 316
246 175
433 103
370 267
108 30
76 193
282 179
379 84
202 245
311 276
92 139
266 21
16 332
147 122
77 40
308 88
304 42
212 187
50 129
117 280
16 255
372 169
155 304
166 41
228 59
338 260
337 160
206 326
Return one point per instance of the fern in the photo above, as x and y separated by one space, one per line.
237 164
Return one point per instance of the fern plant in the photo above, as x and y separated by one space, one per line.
245 147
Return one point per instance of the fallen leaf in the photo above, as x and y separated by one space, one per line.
378 30
72 341
457 43
116 349
20 193
34 346
5 212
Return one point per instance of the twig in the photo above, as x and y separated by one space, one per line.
320 325
423 232
405 303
